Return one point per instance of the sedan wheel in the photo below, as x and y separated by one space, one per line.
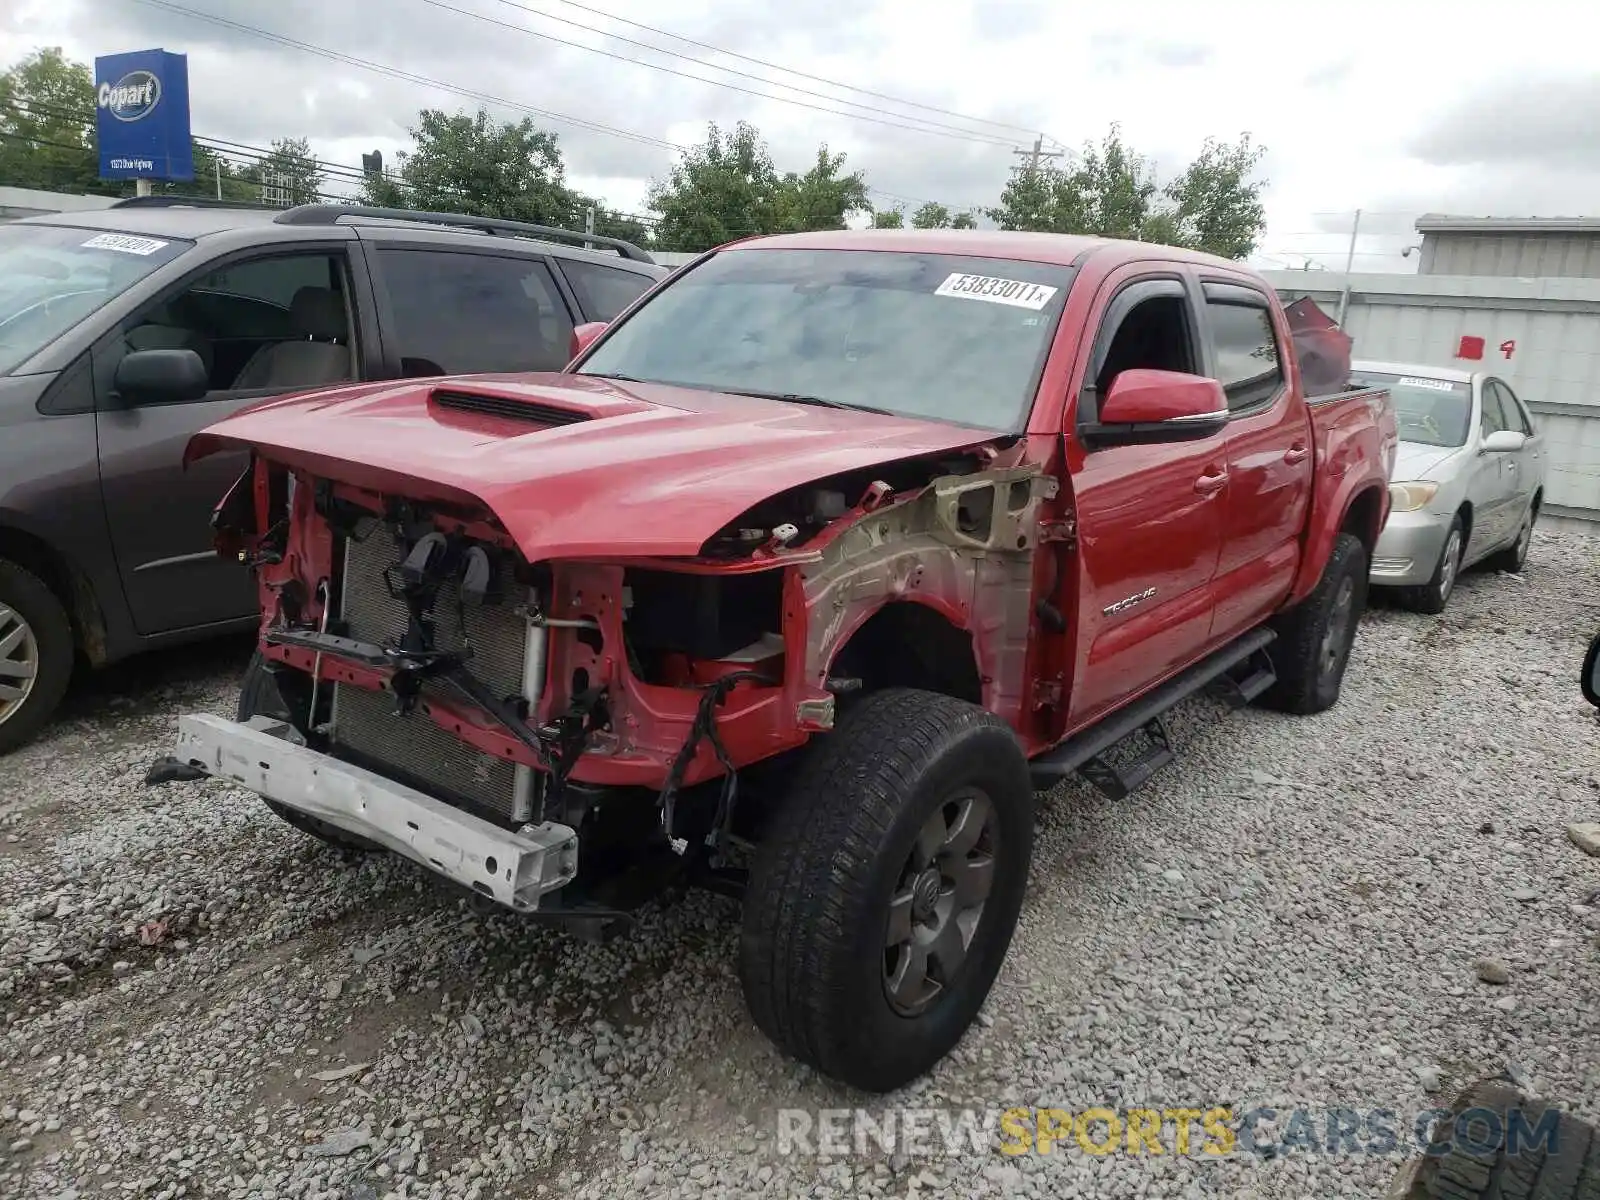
1431 597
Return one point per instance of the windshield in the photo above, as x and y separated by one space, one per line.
1430 412
51 277
938 336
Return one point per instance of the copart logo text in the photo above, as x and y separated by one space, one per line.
132 97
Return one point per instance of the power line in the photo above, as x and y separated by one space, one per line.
688 41
367 64
944 131
716 67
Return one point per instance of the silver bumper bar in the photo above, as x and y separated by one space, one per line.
513 868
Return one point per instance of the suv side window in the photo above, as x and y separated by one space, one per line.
1244 347
456 313
603 292
1494 416
274 323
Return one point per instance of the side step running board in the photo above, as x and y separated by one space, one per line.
1240 668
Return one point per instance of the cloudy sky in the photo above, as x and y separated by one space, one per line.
1395 108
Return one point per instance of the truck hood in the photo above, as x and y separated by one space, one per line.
576 466
1414 459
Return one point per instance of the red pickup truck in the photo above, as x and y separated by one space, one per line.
797 583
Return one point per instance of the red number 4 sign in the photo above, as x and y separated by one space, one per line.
1508 347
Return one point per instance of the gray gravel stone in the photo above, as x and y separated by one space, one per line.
1335 862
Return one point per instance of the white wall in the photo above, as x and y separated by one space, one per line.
1554 364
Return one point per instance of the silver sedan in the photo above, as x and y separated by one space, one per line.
1468 481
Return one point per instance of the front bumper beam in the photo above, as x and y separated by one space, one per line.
514 868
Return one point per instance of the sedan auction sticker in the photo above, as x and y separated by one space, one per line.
1014 292
1433 385
124 243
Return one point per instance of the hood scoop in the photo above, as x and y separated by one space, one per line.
533 411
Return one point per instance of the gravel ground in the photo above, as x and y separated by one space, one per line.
200 1001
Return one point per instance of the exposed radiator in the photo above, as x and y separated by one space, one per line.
366 723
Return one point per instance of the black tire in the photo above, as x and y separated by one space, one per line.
815 956
1515 556
44 637
259 695
1315 637
1556 1158
1431 597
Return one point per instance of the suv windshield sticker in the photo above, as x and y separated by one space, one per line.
996 291
124 243
1438 385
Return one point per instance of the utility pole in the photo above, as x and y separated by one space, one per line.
1349 265
217 162
1033 156
588 226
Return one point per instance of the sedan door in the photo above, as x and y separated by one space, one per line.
1492 486
1530 459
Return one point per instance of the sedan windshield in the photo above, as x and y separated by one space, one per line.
1430 412
52 276
937 336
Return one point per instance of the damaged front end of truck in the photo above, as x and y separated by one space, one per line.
565 711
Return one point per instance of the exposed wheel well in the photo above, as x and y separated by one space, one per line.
1465 513
1361 518
905 644
1538 501
69 584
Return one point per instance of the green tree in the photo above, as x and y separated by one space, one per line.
471 164
727 188
1213 205
722 189
931 216
963 220
1217 201
47 125
889 218
288 174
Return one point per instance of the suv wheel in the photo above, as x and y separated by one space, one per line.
35 654
883 899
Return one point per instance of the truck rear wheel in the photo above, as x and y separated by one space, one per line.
35 654
883 899
1315 636
259 695
1497 1142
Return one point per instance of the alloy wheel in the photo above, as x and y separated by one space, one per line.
938 901
19 662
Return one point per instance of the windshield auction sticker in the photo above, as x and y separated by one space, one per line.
1433 385
124 243
1014 292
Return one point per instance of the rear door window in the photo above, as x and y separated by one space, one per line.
459 313
603 292
1245 348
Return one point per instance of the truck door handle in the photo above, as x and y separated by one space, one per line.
1296 453
1211 482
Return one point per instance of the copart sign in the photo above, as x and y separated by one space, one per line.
142 116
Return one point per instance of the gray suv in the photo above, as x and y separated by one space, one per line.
124 331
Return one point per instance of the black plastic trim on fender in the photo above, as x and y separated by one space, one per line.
1055 765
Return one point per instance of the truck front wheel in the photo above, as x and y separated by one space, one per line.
883 899
1315 636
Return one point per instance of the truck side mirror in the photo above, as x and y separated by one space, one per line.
160 377
1144 406
1590 679
585 335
